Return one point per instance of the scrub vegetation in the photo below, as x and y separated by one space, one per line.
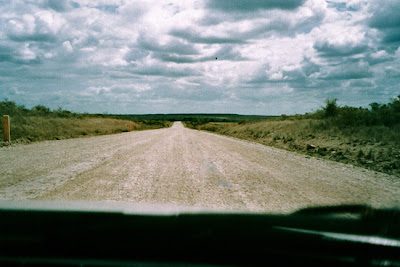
41 123
367 137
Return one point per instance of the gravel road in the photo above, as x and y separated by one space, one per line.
185 167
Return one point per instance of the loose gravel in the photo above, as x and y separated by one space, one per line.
186 167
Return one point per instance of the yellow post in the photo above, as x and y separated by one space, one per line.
6 120
129 127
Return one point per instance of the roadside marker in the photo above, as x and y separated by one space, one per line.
6 120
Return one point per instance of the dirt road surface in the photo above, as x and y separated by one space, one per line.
185 167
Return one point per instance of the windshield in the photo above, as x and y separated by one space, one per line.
261 106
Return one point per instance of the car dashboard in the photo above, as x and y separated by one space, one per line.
40 233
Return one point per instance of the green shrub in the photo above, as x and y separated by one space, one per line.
387 115
331 108
11 108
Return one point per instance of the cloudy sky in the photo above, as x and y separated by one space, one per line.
220 56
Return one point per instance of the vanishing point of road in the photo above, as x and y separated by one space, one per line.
185 167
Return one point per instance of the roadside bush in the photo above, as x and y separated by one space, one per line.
379 114
331 108
11 108
40 110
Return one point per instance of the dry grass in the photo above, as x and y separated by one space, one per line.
41 123
37 128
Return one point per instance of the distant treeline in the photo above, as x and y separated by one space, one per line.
197 119
11 108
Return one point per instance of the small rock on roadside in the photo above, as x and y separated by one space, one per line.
310 147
